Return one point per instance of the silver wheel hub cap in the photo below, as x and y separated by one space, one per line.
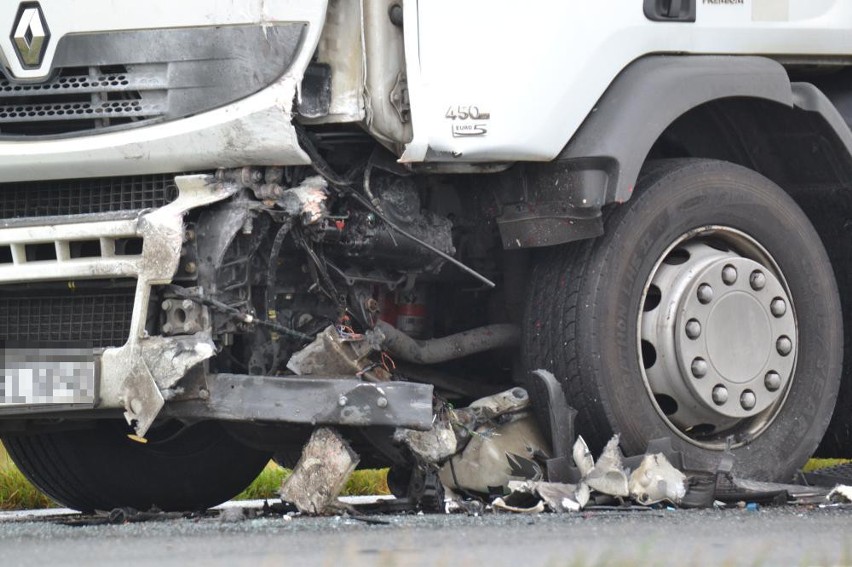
718 338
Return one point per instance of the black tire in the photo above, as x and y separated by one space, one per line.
582 317
100 468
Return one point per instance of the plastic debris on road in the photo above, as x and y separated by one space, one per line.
656 480
609 476
841 494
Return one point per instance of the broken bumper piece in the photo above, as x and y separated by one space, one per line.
310 400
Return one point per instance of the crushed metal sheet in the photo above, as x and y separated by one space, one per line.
656 480
490 407
433 446
608 476
841 494
332 354
502 504
485 464
558 496
583 457
319 476
583 494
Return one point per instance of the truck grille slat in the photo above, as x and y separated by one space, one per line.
10 114
86 196
99 319
84 84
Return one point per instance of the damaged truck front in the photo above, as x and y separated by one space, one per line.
225 225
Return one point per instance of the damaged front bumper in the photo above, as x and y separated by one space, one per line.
133 375
147 371
309 400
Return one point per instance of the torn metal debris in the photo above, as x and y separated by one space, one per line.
608 476
841 494
656 480
319 476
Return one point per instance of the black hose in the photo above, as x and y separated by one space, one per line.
462 344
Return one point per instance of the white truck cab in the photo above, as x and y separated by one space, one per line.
225 223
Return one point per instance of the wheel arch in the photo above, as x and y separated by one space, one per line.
741 109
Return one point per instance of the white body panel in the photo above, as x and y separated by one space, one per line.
255 130
538 68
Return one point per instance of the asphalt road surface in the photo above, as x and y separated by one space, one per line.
768 536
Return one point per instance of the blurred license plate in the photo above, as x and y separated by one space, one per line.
47 376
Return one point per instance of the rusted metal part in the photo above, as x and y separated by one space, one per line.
314 400
332 354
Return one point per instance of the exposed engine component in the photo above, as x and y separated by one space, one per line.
366 238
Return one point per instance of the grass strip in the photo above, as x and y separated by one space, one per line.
16 493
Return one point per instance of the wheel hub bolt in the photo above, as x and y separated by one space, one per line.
748 400
693 329
699 368
784 345
757 280
778 307
705 294
772 381
720 395
729 274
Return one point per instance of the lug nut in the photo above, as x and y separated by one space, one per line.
693 329
720 395
699 368
748 400
757 280
166 305
705 294
784 345
729 274
772 381
778 307
382 402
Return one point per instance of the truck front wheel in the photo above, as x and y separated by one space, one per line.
707 313
100 468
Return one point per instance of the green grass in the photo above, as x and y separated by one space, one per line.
16 493
361 483
816 464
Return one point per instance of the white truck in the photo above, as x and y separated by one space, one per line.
223 223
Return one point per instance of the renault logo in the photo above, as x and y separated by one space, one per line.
30 35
